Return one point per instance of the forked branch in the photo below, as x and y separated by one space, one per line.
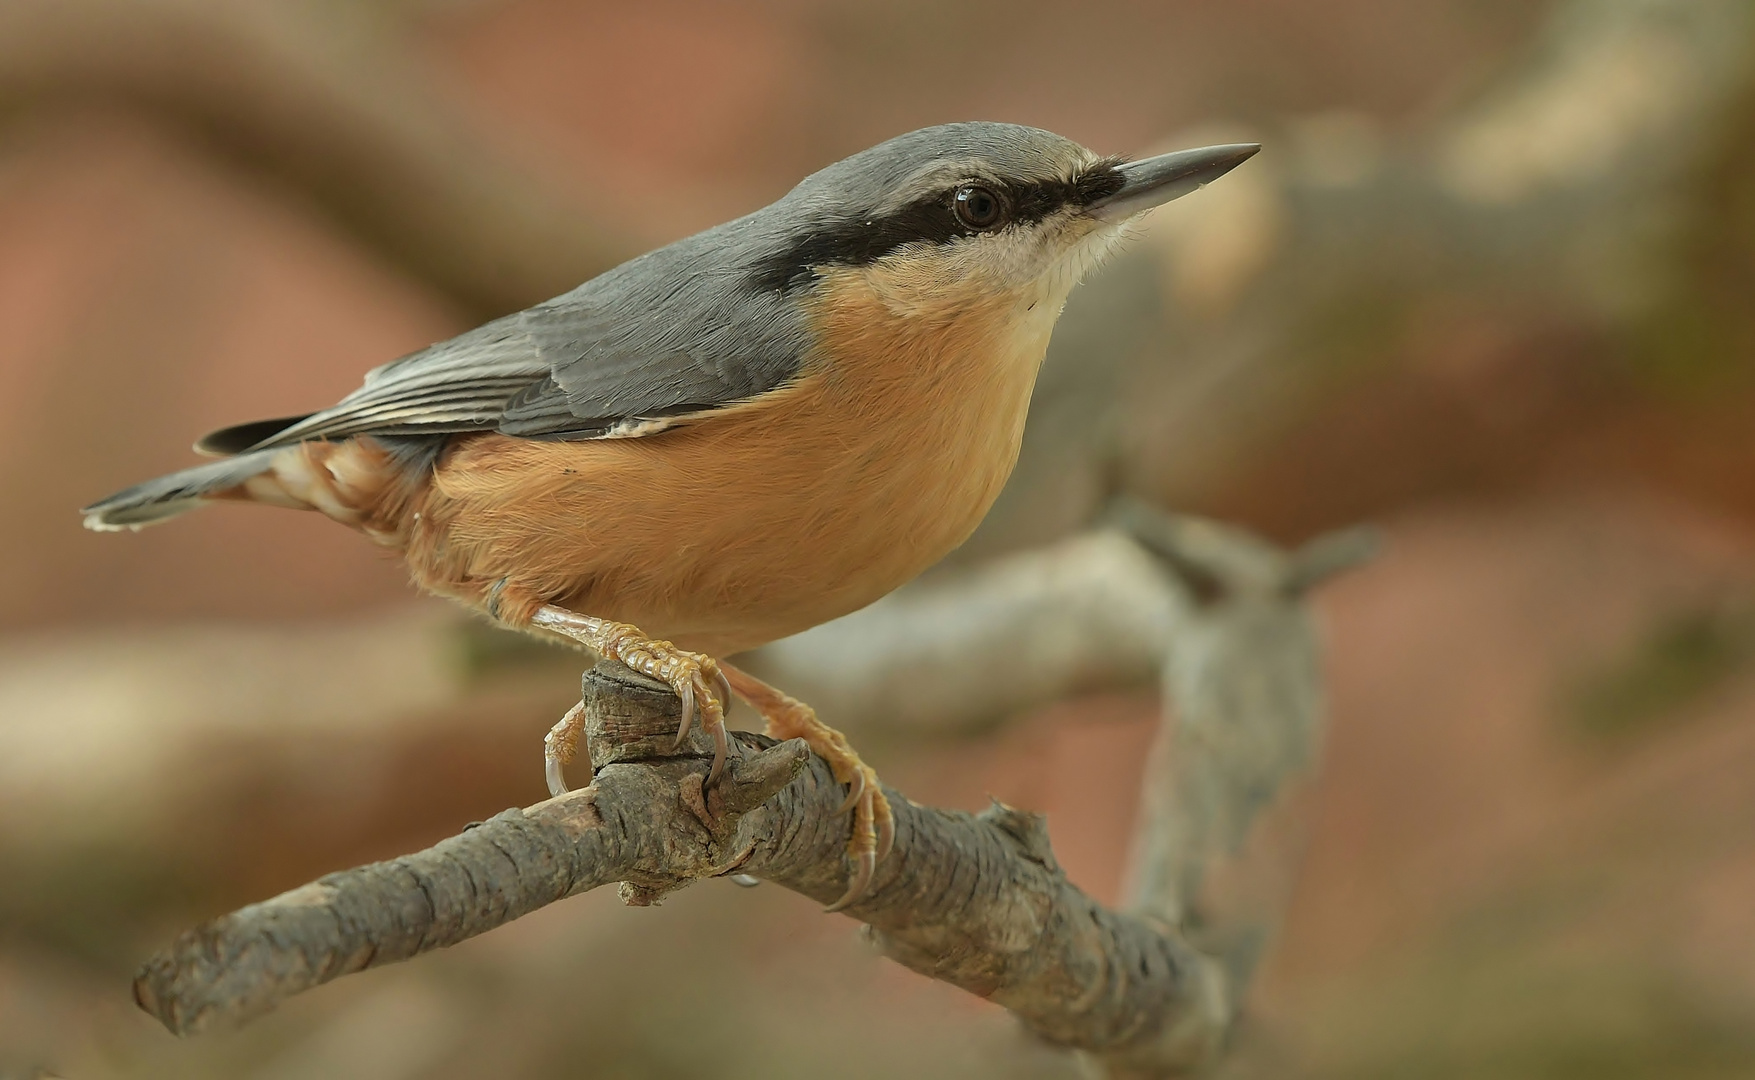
975 900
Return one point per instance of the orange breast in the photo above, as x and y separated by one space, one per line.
766 518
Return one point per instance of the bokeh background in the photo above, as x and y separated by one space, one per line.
1490 285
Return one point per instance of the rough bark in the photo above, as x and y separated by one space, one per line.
975 900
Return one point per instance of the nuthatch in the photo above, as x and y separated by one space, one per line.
733 438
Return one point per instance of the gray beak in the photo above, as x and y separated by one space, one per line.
1156 180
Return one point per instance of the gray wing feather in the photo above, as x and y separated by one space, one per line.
671 334
461 384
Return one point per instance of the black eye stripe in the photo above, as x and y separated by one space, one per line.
1035 201
931 220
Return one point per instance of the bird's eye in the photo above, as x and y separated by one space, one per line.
978 207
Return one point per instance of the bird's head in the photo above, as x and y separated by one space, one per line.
948 215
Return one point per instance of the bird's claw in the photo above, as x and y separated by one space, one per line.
864 865
695 678
874 829
692 688
700 685
559 746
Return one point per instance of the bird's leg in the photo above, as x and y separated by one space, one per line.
873 827
695 678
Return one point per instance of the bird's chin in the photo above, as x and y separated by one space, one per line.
1086 254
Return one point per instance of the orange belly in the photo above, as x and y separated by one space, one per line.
760 520
722 535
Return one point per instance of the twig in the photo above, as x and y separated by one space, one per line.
1221 829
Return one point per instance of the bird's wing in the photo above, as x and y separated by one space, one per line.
609 360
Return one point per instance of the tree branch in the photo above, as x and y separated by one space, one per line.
1221 830
975 900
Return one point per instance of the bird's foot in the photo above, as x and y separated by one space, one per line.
559 746
696 679
873 825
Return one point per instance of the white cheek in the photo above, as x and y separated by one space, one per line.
1081 257
1018 257
1037 266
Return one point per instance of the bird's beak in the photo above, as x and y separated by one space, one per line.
1156 180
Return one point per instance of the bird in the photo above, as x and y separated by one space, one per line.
730 439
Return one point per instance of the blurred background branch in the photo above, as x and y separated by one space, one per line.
318 101
1374 315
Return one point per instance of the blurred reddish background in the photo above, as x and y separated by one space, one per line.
1534 846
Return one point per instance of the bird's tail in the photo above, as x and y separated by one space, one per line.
167 496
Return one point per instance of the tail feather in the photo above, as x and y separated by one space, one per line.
167 496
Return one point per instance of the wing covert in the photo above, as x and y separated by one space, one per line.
670 335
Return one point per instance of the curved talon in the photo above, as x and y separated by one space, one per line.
687 693
855 791
886 830
862 870
873 832
721 749
558 747
557 781
724 689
